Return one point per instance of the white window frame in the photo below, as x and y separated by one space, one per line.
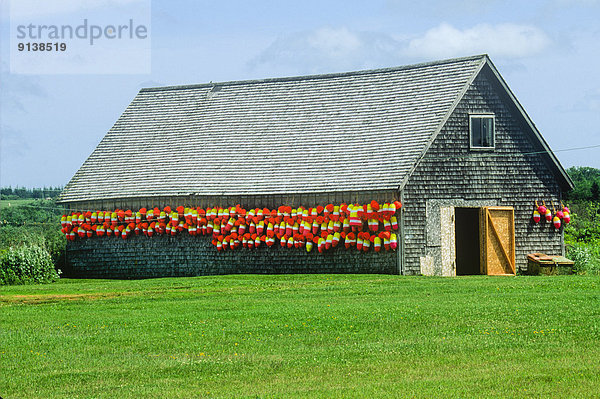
471 146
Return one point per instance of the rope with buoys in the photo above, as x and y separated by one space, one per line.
349 226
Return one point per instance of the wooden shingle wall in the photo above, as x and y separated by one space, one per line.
184 255
245 201
506 176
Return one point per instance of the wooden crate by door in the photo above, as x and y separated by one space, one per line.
497 240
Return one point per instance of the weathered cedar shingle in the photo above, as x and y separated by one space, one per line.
325 133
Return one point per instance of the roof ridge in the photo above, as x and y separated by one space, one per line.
317 76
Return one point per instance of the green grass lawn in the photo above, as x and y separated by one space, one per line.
302 336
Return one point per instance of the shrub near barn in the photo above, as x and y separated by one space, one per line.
582 236
31 248
26 264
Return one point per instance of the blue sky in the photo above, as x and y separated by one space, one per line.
547 51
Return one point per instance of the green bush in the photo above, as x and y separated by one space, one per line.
26 264
49 238
35 223
586 257
585 223
582 237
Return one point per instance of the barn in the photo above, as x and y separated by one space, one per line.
447 139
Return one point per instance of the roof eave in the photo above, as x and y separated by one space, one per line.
312 77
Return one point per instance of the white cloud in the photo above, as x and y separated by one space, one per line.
503 40
328 49
338 41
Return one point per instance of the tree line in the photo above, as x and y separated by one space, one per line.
587 184
10 193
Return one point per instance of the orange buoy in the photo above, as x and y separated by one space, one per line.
346 225
321 244
335 215
392 208
556 222
337 226
375 205
324 225
548 215
366 242
354 216
330 227
359 241
373 224
350 240
114 219
315 225
260 227
377 244
369 212
305 215
387 225
335 240
393 241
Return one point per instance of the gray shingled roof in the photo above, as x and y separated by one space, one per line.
337 132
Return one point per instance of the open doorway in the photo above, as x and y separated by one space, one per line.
467 241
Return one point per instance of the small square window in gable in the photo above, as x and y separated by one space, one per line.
482 132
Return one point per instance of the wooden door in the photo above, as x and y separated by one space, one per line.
497 240
447 241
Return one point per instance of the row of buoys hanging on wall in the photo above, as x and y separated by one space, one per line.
563 215
362 241
356 226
